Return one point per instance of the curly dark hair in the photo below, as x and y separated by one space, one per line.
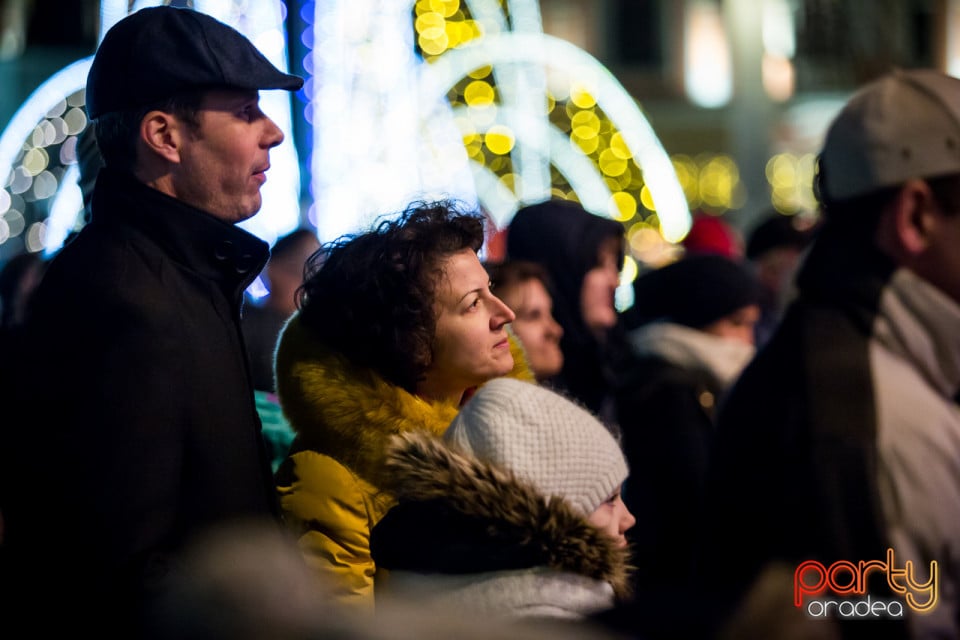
371 296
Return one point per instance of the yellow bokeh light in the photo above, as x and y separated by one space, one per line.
474 28
499 139
611 164
586 144
446 7
585 133
430 25
480 72
585 118
580 96
511 181
646 198
479 93
622 206
455 34
619 146
473 143
433 46
499 164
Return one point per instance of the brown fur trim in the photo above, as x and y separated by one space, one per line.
422 467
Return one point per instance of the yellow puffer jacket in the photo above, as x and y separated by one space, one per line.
344 417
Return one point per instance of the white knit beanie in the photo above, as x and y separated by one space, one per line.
543 438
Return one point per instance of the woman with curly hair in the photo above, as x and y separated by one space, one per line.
396 327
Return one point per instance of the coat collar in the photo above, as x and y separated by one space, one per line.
919 322
215 249
719 359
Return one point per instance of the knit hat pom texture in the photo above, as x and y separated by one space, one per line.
544 438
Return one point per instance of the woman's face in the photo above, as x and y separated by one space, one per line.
470 345
535 327
613 518
599 287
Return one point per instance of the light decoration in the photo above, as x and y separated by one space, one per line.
372 152
519 117
952 44
708 69
779 46
791 182
710 182
38 164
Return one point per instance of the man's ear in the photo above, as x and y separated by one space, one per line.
913 217
160 133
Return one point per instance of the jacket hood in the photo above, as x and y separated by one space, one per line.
458 514
349 413
564 238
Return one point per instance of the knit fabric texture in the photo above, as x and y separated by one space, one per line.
544 438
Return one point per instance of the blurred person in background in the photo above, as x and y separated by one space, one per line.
841 440
691 329
514 514
262 321
246 581
774 249
19 278
134 382
397 326
524 287
714 236
582 254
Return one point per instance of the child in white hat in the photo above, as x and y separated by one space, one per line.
515 513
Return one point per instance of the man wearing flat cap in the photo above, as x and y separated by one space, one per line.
139 425
841 441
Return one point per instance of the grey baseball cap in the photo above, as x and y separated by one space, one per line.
903 125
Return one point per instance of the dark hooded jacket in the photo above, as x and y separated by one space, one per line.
564 238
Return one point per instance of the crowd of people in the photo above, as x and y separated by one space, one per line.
402 440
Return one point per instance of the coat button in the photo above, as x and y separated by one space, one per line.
706 400
245 263
223 250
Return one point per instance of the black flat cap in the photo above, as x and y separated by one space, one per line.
161 52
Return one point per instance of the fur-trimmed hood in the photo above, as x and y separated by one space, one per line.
460 515
347 412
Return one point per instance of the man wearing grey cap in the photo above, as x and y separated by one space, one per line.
142 426
841 441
